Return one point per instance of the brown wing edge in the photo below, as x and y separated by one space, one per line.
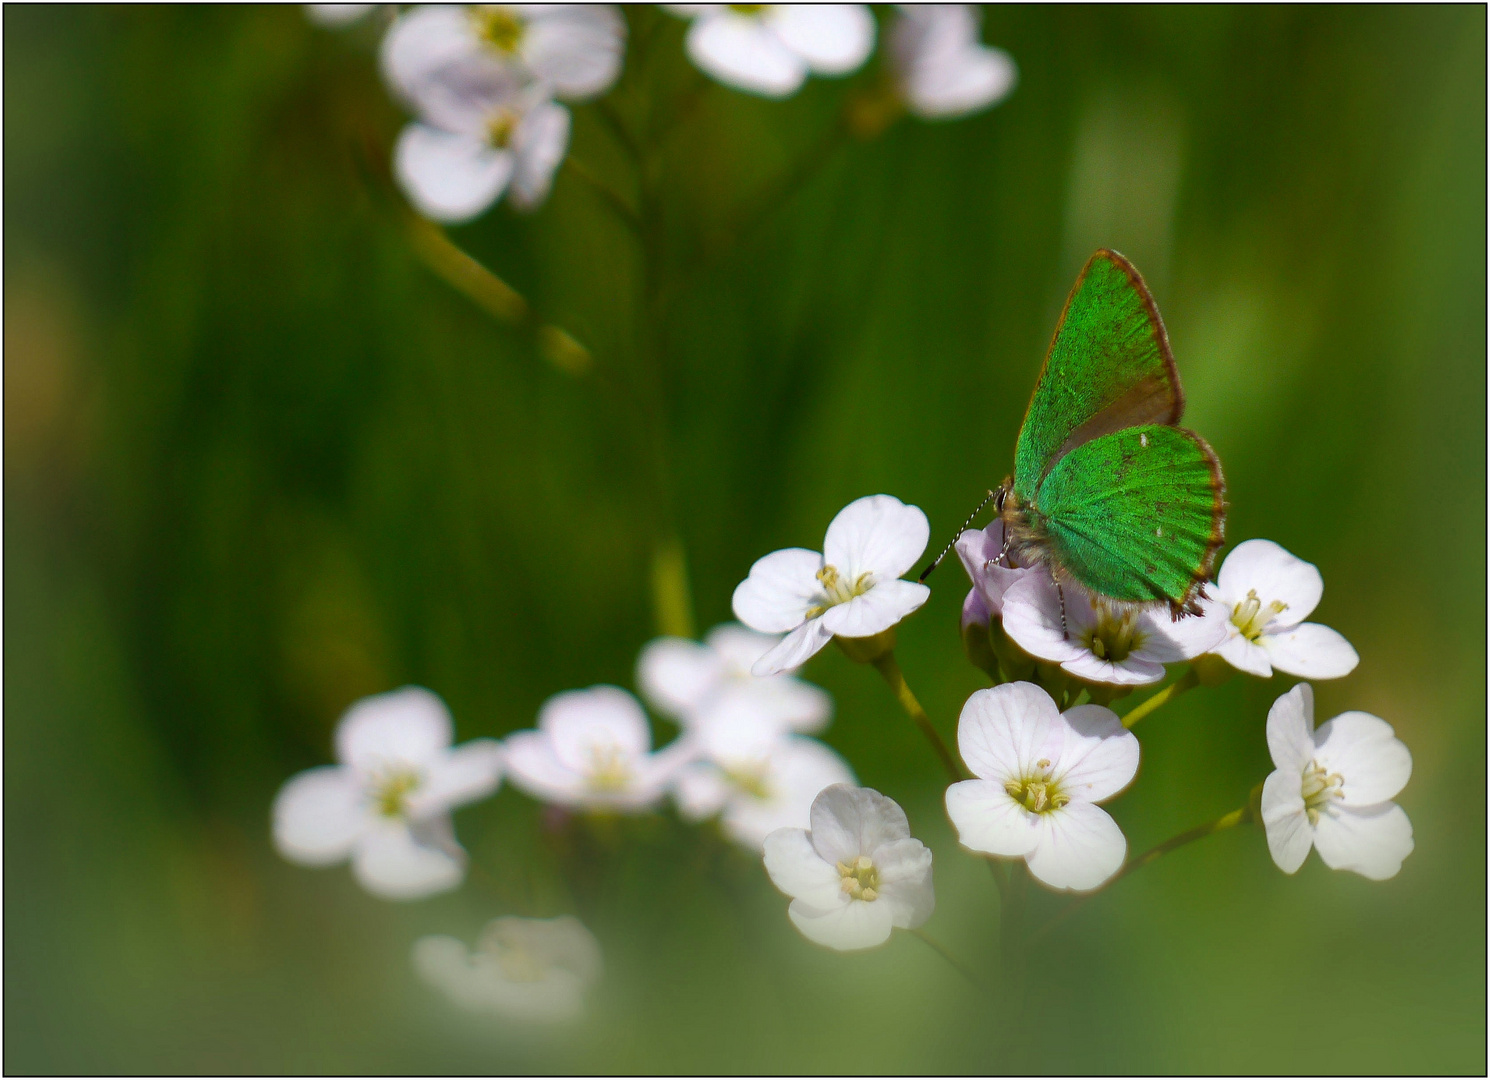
1161 335
1188 603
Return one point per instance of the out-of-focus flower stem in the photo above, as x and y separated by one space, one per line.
886 665
957 965
1188 681
612 198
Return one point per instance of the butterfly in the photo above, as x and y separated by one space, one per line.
1108 491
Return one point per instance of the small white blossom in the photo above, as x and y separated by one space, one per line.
941 66
593 749
851 590
1333 789
336 15
856 874
1098 641
387 805
1263 595
770 49
1040 774
521 969
711 684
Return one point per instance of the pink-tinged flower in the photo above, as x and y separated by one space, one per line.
1098 641
980 551
1263 595
387 805
1332 790
942 68
769 49
1040 774
851 590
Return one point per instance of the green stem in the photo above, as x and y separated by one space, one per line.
885 664
609 195
1188 681
957 965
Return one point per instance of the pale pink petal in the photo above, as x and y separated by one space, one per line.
781 587
851 821
801 645
1291 729
797 869
1099 757
979 550
739 50
318 815
856 924
1004 730
1310 651
904 868
1372 840
1274 574
422 42
1079 847
389 861
989 819
465 774
1364 750
407 727
449 177
877 534
538 146
575 48
1283 817
880 608
1032 619
834 39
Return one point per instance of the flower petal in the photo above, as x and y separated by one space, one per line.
700 791
1283 817
1004 730
797 771
856 924
1168 641
979 549
1370 840
410 726
389 861
575 48
877 534
1079 847
801 645
1243 655
579 721
1099 756
780 702
420 43
1364 750
988 819
799 871
851 821
1291 729
884 605
538 146
318 815
780 589
905 881
834 39
1274 574
534 768
449 177
967 81
677 676
1310 651
740 51
465 774
739 647
1032 619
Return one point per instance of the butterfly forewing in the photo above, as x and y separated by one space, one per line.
1109 367
1136 515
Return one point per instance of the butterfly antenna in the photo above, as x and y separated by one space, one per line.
938 560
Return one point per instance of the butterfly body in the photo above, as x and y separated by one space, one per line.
1107 490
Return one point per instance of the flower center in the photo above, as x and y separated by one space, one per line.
608 770
751 779
861 879
1037 792
391 789
1251 618
838 590
1320 789
500 126
1115 634
499 28
517 962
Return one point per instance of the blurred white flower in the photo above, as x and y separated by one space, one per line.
941 66
387 805
856 874
1099 641
1263 595
593 749
1333 789
851 590
574 50
1040 774
769 49
521 969
334 15
711 685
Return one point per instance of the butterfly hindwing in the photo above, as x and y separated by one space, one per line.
1108 367
1136 515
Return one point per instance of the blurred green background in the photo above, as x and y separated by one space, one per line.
260 461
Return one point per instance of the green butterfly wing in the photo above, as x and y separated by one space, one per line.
1108 367
1135 515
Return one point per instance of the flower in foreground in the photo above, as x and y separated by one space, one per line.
769 49
851 590
1040 774
856 874
593 749
1263 595
942 68
711 684
1332 789
1098 641
387 805
522 969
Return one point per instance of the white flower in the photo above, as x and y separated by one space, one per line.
335 15
1123 644
574 50
983 557
711 685
522 969
851 590
1263 595
1333 789
941 66
387 805
1040 775
769 49
592 749
857 874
